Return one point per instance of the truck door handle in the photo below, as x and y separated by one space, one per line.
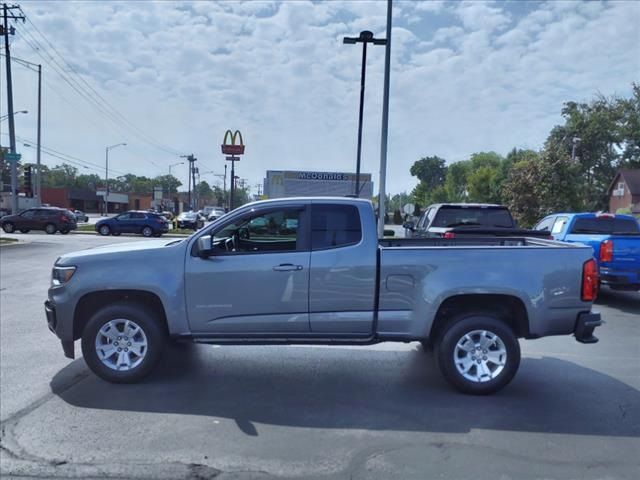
287 267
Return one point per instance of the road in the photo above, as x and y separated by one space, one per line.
573 411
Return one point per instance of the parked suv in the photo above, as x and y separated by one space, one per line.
49 219
134 221
191 220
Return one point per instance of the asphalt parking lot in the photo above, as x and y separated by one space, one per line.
573 410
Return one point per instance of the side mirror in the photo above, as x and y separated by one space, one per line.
205 246
409 226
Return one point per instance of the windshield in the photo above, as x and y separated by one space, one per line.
470 216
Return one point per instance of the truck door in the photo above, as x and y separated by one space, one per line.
343 270
258 280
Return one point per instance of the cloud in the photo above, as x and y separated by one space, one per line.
465 77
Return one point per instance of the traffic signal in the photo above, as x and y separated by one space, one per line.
27 181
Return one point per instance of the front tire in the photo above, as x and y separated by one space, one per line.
147 232
50 228
64 231
24 230
104 230
478 353
8 227
122 343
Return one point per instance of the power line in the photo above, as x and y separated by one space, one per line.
66 157
110 109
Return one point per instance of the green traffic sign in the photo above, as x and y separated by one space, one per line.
12 157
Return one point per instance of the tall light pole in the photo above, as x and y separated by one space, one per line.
173 165
365 37
35 67
382 195
106 174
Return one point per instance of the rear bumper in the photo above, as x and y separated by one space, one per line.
621 279
585 325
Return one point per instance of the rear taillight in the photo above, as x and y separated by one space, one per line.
606 251
64 218
590 281
449 235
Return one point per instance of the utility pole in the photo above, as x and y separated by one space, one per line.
9 15
382 195
38 169
192 176
194 172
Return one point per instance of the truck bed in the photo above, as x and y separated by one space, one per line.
471 241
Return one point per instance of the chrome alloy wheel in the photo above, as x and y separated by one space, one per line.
121 344
480 356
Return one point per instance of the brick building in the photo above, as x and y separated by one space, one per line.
91 201
624 191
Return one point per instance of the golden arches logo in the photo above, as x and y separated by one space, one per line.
229 145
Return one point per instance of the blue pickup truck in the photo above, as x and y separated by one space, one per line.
615 240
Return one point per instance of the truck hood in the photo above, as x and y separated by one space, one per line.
119 249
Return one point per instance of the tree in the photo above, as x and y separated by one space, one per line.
483 186
61 176
203 190
456 182
430 170
169 183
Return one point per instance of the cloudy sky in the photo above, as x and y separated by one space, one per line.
171 77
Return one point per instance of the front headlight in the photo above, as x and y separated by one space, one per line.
61 275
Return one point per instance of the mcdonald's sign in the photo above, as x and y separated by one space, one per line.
232 143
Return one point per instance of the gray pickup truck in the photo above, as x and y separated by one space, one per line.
313 271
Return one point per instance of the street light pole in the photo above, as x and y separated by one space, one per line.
382 195
173 165
365 37
106 175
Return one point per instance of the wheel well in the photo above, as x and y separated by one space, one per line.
508 308
92 302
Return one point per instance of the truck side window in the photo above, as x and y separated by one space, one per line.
545 225
275 231
559 225
334 226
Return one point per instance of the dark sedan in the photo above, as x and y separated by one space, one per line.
81 216
147 224
190 220
49 219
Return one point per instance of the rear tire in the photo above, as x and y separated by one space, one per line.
8 227
116 328
64 232
50 228
24 230
478 353
116 234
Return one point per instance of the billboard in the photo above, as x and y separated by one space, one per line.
310 183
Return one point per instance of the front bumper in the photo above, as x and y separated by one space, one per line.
52 323
585 325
